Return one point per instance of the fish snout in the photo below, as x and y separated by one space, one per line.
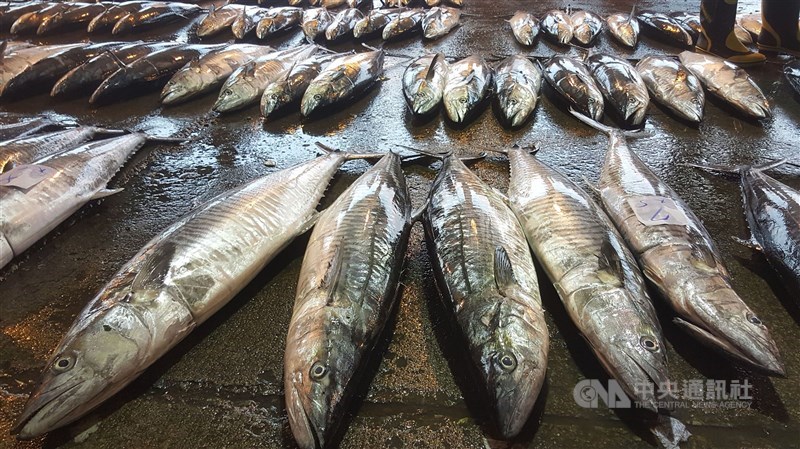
123 25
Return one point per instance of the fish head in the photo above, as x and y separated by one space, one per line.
180 86
124 25
362 27
318 95
234 95
114 84
275 96
516 104
458 103
49 23
424 99
595 105
102 353
635 108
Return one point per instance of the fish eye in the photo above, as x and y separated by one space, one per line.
754 319
63 363
318 371
649 343
228 92
318 97
507 361
462 99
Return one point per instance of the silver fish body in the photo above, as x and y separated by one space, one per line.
681 260
525 27
332 3
405 22
517 82
439 21
668 28
468 82
248 20
26 127
594 273
573 81
586 26
209 71
29 149
624 27
374 21
345 77
111 16
557 25
155 13
17 61
423 83
486 276
81 176
621 85
278 19
290 89
175 282
345 296
315 21
343 23
674 86
691 24
219 19
729 82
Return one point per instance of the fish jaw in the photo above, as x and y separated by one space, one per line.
229 100
596 108
636 109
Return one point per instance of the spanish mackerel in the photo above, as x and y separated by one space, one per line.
525 27
315 21
247 21
594 273
486 276
621 85
290 89
29 149
30 21
77 14
218 19
423 83
467 84
344 78
679 257
439 21
406 21
155 13
17 10
586 26
278 19
343 23
666 27
516 84
374 21
573 81
673 85
15 62
624 27
178 280
346 294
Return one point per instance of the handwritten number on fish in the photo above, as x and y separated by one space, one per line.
657 210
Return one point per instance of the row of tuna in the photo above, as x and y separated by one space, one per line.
602 80
389 23
375 4
596 256
51 17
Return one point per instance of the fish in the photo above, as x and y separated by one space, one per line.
150 71
111 16
680 258
332 3
219 19
729 82
673 85
10 15
751 23
89 75
344 78
354 3
278 19
525 27
248 20
172 285
30 149
573 81
315 21
487 279
433 2
586 26
346 294
78 14
667 28
374 21
439 21
48 70
290 89
423 83
154 14
624 28
621 85
458 3
9 47
30 21
792 73
14 63
406 21
557 25
28 126
209 71
343 23
247 83
690 23
467 84
517 82
594 274
81 175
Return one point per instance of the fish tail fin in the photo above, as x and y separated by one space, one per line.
440 155
719 169
608 130
348 155
100 130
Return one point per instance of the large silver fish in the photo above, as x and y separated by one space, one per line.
290 89
247 21
13 63
80 176
28 126
155 13
88 76
332 3
624 27
343 23
315 21
423 83
594 273
573 81
486 275
219 19
77 14
30 21
208 72
729 82
517 82
751 23
586 26
668 28
30 149
247 83
679 257
673 85
346 294
525 27
468 82
405 22
621 85
344 78
278 19
439 21
557 25
111 16
374 21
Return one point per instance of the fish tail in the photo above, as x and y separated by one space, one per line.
608 130
739 169
348 155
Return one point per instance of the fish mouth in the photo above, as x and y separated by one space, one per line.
39 405
172 95
307 434
633 374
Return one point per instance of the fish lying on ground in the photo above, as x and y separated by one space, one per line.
467 84
517 82
586 26
679 257
667 28
345 77
423 83
12 64
729 82
624 27
17 10
76 15
439 21
278 19
175 283
219 19
315 21
155 13
405 22
621 85
690 23
674 86
486 276
573 81
248 20
111 16
374 21
29 149
345 296
792 73
751 23
594 273
291 88
556 24
30 21
525 27
343 23
28 127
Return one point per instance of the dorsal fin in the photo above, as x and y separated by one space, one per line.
609 264
429 74
503 271
155 268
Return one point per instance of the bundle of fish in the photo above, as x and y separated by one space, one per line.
47 18
581 27
315 22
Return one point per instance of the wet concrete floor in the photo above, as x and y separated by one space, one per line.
221 387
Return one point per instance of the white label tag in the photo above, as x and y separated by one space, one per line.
26 176
657 210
